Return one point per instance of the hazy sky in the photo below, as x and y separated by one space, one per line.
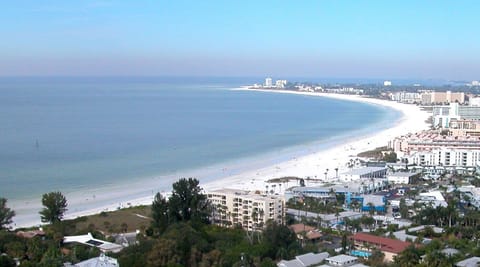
364 39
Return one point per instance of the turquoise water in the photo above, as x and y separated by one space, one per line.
359 253
75 134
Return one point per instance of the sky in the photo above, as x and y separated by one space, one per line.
366 39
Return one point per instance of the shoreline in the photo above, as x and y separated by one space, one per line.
312 161
316 163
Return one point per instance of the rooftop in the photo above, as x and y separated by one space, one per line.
342 259
383 243
89 240
364 170
470 262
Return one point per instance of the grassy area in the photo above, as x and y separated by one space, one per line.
124 220
376 153
283 179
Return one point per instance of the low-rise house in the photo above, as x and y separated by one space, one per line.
364 173
30 234
89 240
364 242
306 232
403 236
470 262
402 177
126 239
101 261
343 260
433 198
308 259
325 220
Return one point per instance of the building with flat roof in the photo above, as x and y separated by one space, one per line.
304 260
89 240
326 220
101 261
251 211
268 82
341 260
469 262
443 97
402 177
362 173
406 97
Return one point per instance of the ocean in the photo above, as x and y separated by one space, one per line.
85 134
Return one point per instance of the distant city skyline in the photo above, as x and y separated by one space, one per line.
342 39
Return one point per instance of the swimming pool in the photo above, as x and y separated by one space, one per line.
360 253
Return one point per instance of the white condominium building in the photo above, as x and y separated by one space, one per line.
251 211
443 115
268 82
280 83
445 157
406 97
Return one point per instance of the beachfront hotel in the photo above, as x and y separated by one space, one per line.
442 97
431 148
442 116
250 210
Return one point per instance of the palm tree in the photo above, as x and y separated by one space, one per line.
336 173
371 208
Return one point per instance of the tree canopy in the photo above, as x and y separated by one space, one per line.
187 203
55 205
6 214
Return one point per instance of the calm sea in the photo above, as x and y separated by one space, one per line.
74 134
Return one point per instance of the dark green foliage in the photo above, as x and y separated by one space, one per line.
390 157
277 236
52 257
7 261
136 255
187 202
55 205
160 213
6 214
410 257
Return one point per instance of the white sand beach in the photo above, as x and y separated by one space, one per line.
312 164
315 165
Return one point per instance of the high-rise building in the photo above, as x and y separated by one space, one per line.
387 83
268 82
443 97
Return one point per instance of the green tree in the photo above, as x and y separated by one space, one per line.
408 258
160 213
187 202
6 214
276 236
403 208
390 157
55 205
6 261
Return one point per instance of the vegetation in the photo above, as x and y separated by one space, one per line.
6 214
55 205
176 232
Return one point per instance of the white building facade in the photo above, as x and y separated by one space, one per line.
268 82
251 211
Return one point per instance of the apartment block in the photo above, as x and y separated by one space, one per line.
251 211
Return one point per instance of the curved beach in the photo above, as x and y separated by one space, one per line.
315 164
312 162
